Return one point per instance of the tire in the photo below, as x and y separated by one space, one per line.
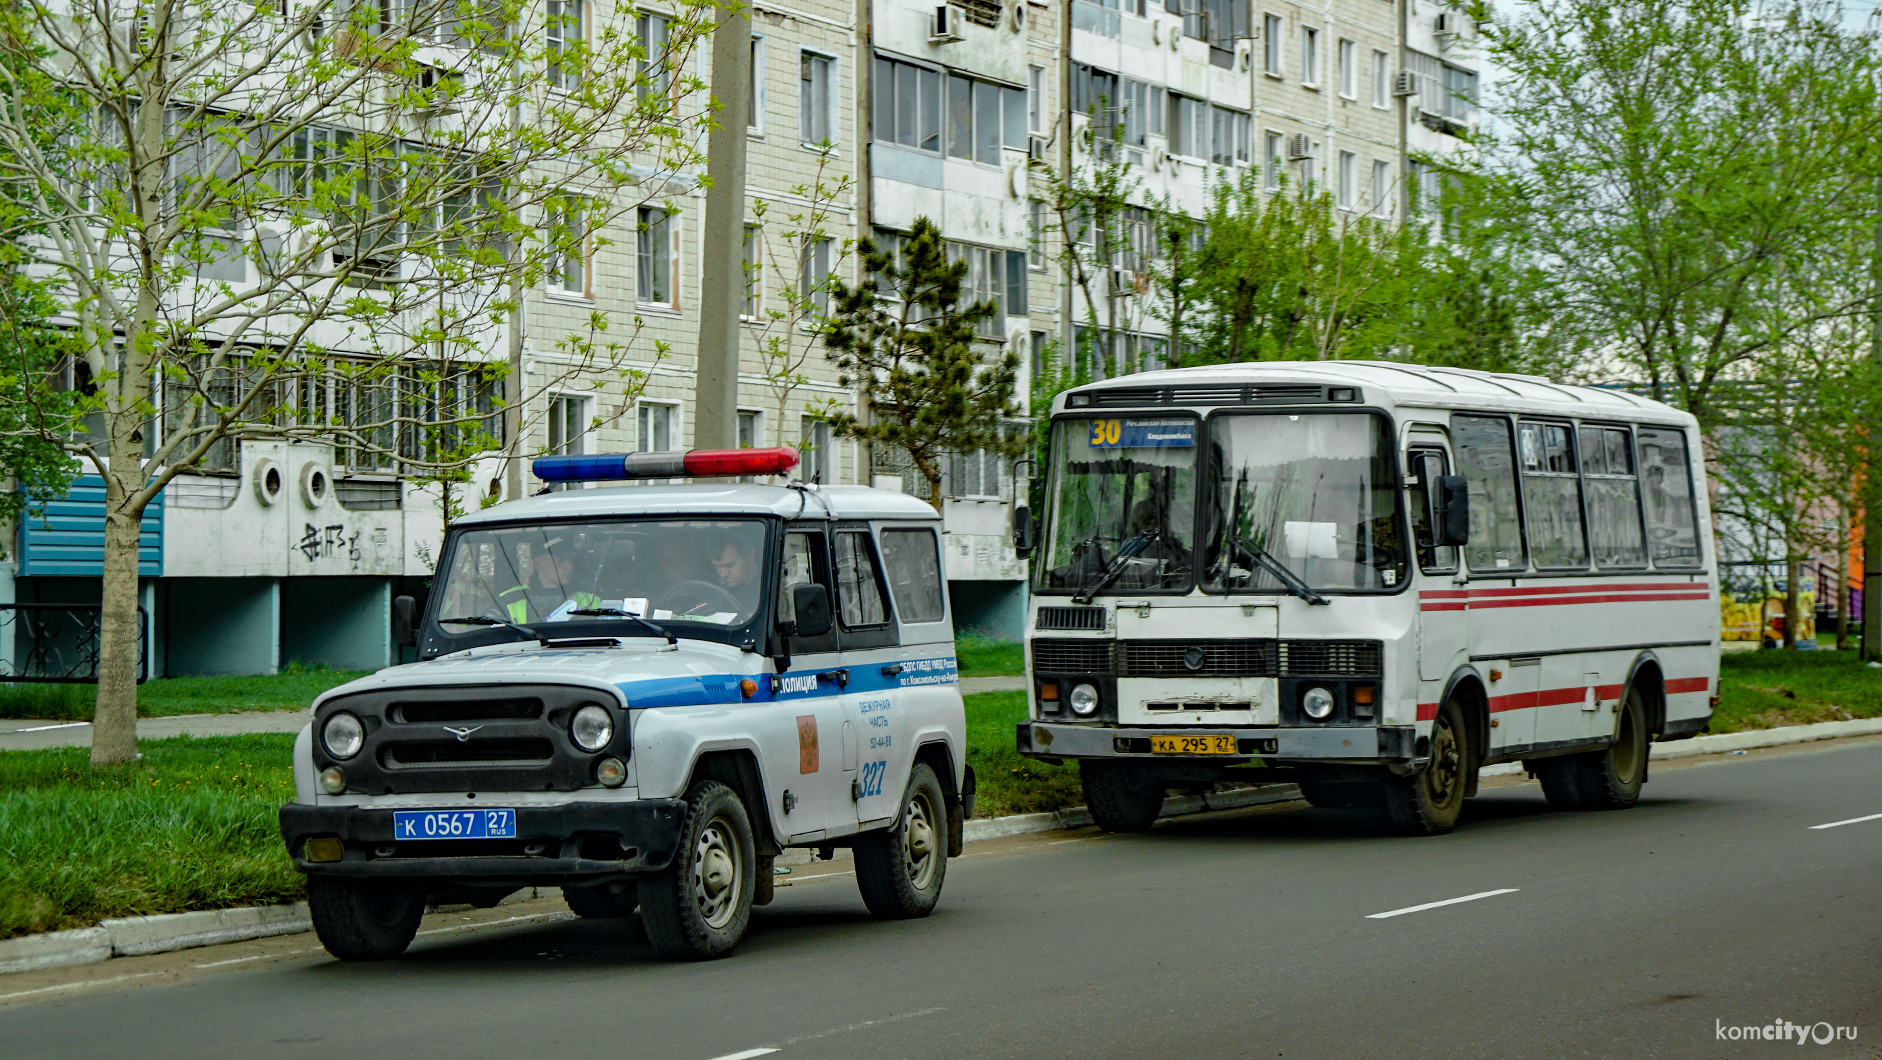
1429 801
698 908
1343 794
364 920
900 868
1610 779
1122 796
1557 776
601 902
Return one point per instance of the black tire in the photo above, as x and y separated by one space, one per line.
1429 801
899 869
601 902
700 906
1339 794
1610 779
1122 796
364 920
1557 776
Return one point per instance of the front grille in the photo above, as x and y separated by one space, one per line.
1332 658
1220 658
1071 656
485 710
422 753
1090 618
1139 396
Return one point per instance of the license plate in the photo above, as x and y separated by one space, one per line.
1212 744
408 825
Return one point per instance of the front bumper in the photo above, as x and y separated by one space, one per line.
1331 743
575 843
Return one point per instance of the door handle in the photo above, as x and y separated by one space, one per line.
841 677
893 670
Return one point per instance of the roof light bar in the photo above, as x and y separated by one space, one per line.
599 467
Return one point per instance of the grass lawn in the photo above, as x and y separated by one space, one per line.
989 658
292 689
1766 689
1009 783
191 825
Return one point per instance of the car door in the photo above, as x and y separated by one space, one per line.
810 694
874 699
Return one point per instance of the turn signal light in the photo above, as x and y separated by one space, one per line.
1363 695
325 848
1049 690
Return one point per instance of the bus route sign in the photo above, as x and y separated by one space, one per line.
1143 434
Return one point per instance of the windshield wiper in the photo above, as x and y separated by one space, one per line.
481 620
615 612
1295 583
1129 550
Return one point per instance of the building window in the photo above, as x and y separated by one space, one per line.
748 429
755 100
1381 80
1347 179
817 451
754 274
568 227
1310 57
975 474
1016 300
813 98
657 257
814 277
1229 137
1189 126
656 428
1036 99
651 75
1271 154
1381 187
1271 45
985 282
1036 236
565 31
568 429
1143 112
1349 69
982 116
907 102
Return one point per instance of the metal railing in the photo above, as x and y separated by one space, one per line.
58 643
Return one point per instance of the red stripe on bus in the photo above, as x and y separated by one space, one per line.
1689 684
1550 697
1559 588
1559 600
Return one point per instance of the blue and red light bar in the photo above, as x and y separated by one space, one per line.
600 467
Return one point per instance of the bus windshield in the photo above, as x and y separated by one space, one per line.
1122 505
1314 493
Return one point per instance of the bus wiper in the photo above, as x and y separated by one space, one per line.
615 612
1126 552
481 620
1295 583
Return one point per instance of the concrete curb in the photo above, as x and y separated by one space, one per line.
55 949
137 935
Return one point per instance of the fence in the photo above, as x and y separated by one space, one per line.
58 643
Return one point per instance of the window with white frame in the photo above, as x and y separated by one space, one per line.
1310 57
1036 99
1229 137
652 75
574 259
1348 175
1271 45
814 275
565 32
975 474
1036 234
657 254
1381 80
749 425
1189 126
816 450
656 427
755 99
982 117
1349 69
906 102
1381 187
1273 159
1143 112
568 428
753 304
815 74
1309 169
985 282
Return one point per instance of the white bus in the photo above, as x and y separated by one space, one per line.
1371 578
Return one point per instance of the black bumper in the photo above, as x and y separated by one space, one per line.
575 843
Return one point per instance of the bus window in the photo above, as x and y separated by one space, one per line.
1423 468
1552 496
1666 486
1488 462
1613 491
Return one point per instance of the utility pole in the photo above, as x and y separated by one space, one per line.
723 280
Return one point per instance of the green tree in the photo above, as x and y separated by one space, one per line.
903 339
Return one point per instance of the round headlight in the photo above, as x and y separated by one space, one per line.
611 772
343 735
1084 700
332 781
1317 704
592 728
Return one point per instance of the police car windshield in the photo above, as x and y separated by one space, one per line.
694 577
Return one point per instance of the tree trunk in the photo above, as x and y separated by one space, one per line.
114 724
1793 600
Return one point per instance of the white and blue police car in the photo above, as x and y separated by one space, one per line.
642 695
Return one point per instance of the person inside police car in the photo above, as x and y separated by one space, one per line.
547 586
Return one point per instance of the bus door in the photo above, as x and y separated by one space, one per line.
1443 608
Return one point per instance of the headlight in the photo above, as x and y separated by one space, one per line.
1084 700
343 735
1317 704
611 772
592 728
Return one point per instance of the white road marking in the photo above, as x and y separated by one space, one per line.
1852 820
49 728
747 1054
75 986
1447 901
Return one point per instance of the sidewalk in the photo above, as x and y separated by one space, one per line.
23 734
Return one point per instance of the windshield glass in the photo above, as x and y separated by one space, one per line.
1122 505
695 577
1316 492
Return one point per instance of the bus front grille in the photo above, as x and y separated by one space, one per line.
1252 657
1072 656
1332 658
1242 657
1086 618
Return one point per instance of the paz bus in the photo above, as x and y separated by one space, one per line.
1372 579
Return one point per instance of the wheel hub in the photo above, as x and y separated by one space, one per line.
715 874
918 841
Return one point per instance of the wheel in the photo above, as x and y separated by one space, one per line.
1557 776
601 902
1428 802
364 920
699 907
1122 796
899 869
1610 779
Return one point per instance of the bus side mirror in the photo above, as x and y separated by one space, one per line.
404 629
811 603
1022 530
1452 521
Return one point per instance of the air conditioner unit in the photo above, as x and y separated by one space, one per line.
950 22
1299 147
1404 83
1036 148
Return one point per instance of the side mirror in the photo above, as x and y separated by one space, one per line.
1022 530
812 604
404 629
1452 525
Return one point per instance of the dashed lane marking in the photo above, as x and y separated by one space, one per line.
747 1054
75 986
1447 901
1852 820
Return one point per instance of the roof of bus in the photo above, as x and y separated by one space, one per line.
1411 384
711 498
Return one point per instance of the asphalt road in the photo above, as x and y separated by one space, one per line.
1253 933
